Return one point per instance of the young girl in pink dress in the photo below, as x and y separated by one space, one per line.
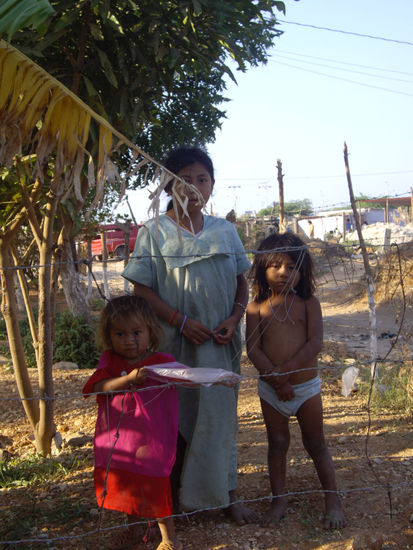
136 431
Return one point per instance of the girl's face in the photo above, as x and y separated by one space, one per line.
199 177
130 338
282 274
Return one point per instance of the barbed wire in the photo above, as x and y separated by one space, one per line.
185 515
388 488
314 245
168 384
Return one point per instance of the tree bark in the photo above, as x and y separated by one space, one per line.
283 223
106 290
46 428
10 314
74 295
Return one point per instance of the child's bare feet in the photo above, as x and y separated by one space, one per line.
334 516
170 545
239 513
276 512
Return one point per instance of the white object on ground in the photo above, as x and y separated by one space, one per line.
348 380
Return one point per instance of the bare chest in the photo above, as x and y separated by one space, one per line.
283 324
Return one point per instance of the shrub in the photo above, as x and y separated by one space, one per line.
34 469
394 390
27 342
75 341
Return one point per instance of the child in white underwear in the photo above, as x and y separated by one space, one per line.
284 336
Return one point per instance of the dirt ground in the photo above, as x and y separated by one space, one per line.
374 472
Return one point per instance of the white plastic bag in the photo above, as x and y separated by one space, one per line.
182 374
348 380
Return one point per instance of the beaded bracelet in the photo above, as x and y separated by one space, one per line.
183 324
241 306
172 316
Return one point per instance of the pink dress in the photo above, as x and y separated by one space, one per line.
135 440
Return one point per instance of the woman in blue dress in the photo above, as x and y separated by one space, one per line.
190 267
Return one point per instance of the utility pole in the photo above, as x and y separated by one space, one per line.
265 186
411 204
235 195
283 225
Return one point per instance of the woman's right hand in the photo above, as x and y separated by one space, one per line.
196 332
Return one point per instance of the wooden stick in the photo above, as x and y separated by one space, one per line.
369 276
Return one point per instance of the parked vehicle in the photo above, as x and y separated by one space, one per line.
115 241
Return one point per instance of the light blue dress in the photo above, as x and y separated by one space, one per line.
198 277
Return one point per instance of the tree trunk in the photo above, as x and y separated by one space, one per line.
74 295
89 271
46 428
106 290
126 234
283 221
10 314
26 297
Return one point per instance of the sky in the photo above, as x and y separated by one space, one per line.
319 89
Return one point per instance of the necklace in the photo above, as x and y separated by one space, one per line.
287 310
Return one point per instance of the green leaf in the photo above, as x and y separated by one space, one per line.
96 32
91 90
17 14
107 67
197 7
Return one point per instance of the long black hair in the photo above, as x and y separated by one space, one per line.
282 243
185 156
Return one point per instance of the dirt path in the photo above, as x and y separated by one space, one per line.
67 507
375 474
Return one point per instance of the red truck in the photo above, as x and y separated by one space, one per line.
115 241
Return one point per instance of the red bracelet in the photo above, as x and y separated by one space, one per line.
172 316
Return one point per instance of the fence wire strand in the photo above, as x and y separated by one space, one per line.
349 274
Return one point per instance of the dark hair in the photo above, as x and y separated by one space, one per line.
185 156
282 243
126 307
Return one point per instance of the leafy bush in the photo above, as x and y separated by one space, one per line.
394 391
75 341
32 470
27 342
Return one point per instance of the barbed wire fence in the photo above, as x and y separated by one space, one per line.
340 272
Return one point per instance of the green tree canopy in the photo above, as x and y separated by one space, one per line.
134 64
155 70
18 14
373 205
303 207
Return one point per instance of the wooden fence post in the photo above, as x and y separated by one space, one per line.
369 276
283 225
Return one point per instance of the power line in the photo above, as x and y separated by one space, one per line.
343 79
354 175
263 179
361 35
344 69
343 62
